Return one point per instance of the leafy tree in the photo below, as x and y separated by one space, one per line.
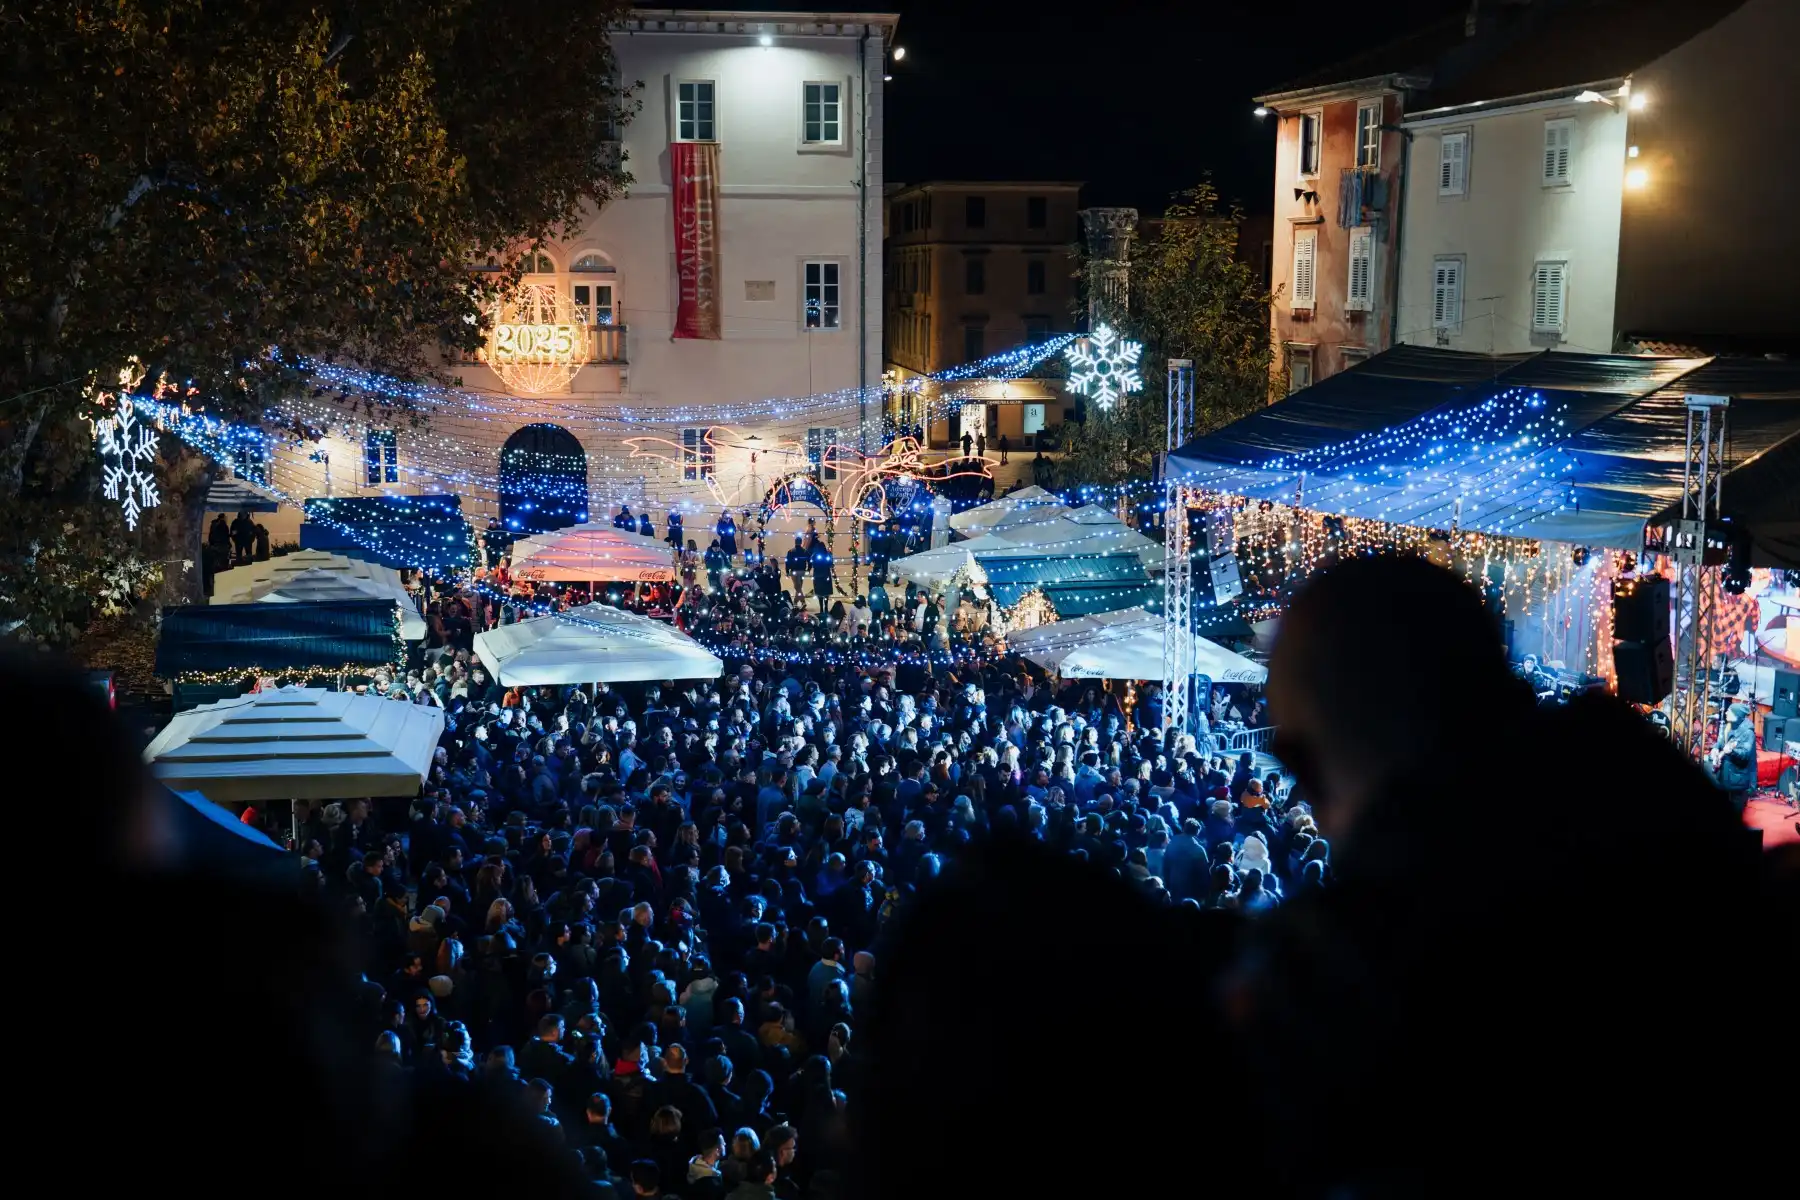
187 183
1190 297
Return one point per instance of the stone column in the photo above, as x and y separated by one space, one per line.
1109 232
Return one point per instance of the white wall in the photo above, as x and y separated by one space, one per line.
1507 220
781 203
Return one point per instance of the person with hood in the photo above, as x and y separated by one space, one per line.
1733 759
697 997
705 1174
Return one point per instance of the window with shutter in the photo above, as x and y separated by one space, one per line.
1359 295
1446 293
1312 125
1453 164
1549 288
1306 247
1559 151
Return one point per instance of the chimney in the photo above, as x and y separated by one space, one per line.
1109 233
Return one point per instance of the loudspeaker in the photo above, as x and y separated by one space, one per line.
1641 614
1787 694
1778 731
1646 672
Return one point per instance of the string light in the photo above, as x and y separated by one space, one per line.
1103 366
126 444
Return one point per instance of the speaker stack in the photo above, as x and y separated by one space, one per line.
1643 660
1781 724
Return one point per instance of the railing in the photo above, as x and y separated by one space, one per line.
1237 741
606 344
601 344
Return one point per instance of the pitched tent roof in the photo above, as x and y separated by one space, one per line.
593 644
580 553
1125 644
322 635
240 495
1602 453
297 743
316 575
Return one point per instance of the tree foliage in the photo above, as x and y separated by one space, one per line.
1190 297
187 183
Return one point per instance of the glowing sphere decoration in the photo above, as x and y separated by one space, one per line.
1103 366
537 343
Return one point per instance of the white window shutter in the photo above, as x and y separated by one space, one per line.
1453 164
1548 295
1306 247
1359 294
1446 293
1559 143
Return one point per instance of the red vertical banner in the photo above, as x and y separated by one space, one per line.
696 172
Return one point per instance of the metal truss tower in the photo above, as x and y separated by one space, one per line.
1697 584
1178 557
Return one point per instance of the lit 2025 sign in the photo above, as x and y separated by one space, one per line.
536 343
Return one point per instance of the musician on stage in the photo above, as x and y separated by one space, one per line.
1733 757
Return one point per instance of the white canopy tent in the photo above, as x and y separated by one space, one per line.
595 643
1025 505
1127 644
297 743
593 553
308 575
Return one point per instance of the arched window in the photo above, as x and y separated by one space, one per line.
592 260
538 263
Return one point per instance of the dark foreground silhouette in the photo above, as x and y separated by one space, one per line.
1548 954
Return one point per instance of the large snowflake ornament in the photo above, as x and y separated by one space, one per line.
1103 366
126 443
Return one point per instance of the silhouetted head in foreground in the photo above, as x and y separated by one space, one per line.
1379 664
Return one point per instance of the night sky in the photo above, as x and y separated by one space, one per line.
1136 99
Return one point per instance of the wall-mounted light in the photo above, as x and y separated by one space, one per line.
1261 110
1632 153
899 53
1637 178
765 40
1638 101
887 79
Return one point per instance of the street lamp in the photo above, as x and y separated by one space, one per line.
1261 110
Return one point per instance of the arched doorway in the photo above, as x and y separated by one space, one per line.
543 480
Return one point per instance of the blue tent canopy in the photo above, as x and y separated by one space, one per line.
1582 448
318 635
427 533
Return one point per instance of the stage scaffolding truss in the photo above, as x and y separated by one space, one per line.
1697 582
1178 577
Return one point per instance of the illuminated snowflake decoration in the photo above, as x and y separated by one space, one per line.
1103 366
126 444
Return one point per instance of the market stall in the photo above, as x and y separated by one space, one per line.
595 643
593 554
314 575
1126 644
297 743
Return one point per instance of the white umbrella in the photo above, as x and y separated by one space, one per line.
1127 644
316 575
1026 504
297 743
592 644
593 553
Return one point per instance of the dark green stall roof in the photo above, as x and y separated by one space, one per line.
325 635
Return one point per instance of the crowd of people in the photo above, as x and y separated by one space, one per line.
658 912
827 927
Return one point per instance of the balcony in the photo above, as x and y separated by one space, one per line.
597 345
